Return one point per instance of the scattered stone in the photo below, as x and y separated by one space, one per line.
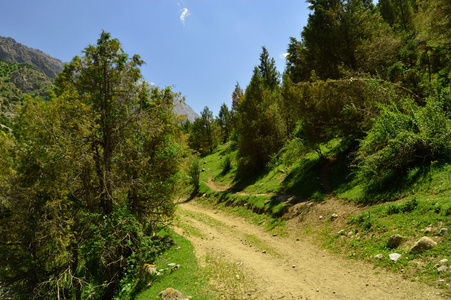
425 243
203 170
334 216
427 230
149 269
237 276
175 268
443 262
172 265
442 269
395 256
350 233
443 231
317 290
341 232
320 217
264 251
394 241
267 201
378 256
293 266
171 294
281 171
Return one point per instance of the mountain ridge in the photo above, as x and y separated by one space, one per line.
27 80
12 51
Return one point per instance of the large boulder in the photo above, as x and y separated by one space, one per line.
171 294
423 244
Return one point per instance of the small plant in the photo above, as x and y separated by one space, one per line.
226 164
318 196
194 173
405 207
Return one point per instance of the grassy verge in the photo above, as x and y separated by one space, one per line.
189 278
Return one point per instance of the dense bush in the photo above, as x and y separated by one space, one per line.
403 137
194 173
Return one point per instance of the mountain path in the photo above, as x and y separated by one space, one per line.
275 267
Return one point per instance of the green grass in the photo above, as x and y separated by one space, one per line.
409 217
419 199
190 279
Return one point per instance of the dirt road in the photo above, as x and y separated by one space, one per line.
258 265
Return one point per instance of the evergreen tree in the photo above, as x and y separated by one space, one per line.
203 133
259 126
268 71
224 121
93 171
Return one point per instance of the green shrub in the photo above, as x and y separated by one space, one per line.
402 138
405 207
194 173
226 164
292 151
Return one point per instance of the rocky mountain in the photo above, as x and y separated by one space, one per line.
28 71
183 109
14 52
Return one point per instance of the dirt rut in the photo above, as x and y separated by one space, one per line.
282 268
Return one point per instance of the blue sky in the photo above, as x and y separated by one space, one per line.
202 47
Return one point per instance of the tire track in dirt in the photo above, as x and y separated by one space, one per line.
290 269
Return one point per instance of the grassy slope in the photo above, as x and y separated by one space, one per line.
385 211
189 278
423 201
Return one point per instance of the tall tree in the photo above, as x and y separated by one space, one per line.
224 121
93 172
340 37
268 71
203 132
259 126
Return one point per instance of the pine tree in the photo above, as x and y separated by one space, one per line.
268 71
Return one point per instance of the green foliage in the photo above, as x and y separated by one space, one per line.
226 164
89 174
402 138
335 108
194 170
203 133
190 278
268 71
404 207
360 41
225 122
260 130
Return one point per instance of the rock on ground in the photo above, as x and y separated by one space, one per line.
394 241
171 294
425 243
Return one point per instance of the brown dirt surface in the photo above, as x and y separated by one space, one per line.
275 267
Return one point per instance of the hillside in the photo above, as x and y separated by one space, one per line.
14 52
183 109
315 199
27 71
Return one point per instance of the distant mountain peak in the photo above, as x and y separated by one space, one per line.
183 109
15 52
